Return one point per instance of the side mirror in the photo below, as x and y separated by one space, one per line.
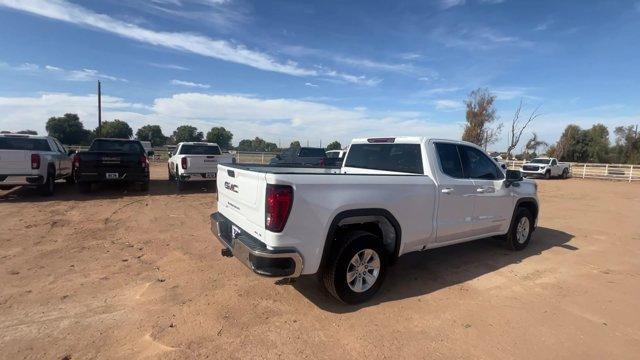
150 153
513 176
71 152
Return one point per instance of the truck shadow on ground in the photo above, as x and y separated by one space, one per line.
70 192
421 273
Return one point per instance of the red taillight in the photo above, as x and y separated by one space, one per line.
322 162
144 162
35 161
184 163
76 161
278 205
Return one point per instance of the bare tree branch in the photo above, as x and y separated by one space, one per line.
518 127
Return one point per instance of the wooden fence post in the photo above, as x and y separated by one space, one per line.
262 158
584 170
631 174
606 170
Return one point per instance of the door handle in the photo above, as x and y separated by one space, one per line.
480 190
447 191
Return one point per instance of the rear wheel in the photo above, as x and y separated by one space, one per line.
565 173
49 186
144 186
357 268
179 182
520 231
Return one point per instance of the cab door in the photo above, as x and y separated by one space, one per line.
493 206
456 196
63 161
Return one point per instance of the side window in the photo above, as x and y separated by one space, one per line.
554 162
477 165
449 159
60 146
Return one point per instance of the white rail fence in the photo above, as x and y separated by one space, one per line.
595 171
622 172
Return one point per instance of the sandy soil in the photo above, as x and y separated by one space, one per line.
124 274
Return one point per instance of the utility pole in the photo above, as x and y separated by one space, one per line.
99 110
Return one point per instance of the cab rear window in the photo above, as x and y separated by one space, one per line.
10 143
199 150
117 146
406 158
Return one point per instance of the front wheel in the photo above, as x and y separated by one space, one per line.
520 231
547 175
356 268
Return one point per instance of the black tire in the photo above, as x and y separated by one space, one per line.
70 180
169 171
84 187
513 241
179 183
565 173
49 186
335 273
144 186
547 174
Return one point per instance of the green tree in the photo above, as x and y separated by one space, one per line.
334 146
257 144
116 129
220 136
27 132
627 148
479 116
152 133
598 143
186 133
270 147
68 129
295 144
245 145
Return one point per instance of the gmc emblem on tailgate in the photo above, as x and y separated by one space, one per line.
231 187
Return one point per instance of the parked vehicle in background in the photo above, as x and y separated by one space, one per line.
147 146
334 158
500 162
307 156
31 160
545 167
196 161
392 196
112 160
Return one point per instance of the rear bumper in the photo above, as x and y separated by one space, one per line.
198 177
278 263
533 172
101 176
24 179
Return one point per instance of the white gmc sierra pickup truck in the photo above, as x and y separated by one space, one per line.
545 167
392 196
196 161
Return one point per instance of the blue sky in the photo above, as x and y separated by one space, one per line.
319 70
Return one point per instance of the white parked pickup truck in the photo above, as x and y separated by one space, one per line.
545 167
391 196
196 161
31 160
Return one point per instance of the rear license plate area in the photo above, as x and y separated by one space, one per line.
111 175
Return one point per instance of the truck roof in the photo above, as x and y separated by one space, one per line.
25 136
404 140
197 143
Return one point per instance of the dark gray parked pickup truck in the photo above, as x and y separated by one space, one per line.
112 160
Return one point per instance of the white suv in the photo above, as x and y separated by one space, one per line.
31 160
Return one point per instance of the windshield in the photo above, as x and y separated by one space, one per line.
388 157
199 150
9 143
117 146
540 161
311 152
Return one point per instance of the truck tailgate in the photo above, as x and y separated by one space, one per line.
202 163
241 198
15 162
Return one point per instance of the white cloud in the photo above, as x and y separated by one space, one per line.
190 84
188 42
247 117
169 66
491 2
410 56
448 105
510 93
446 4
64 74
476 38
310 84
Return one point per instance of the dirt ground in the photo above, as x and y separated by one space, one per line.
124 274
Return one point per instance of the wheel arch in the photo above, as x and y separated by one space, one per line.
379 221
528 203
